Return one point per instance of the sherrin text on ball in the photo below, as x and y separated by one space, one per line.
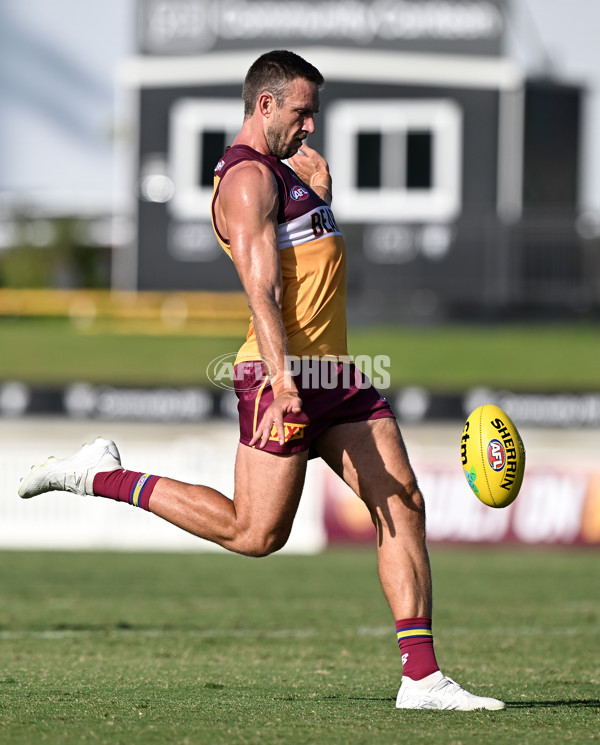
493 456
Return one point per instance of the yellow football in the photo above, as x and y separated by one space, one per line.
493 456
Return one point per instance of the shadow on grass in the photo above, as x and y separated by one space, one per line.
586 703
589 703
74 630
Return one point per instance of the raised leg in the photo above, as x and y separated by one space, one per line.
259 518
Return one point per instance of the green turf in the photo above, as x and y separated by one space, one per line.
217 649
445 358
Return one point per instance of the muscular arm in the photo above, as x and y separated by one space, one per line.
249 203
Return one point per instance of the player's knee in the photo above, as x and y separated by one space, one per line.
403 497
414 498
403 510
263 544
414 504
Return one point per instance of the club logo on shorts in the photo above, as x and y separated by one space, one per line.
293 431
496 455
299 193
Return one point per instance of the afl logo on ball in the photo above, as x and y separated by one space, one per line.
299 193
496 455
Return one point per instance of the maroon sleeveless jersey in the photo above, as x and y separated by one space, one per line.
312 258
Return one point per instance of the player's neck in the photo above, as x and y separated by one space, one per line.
253 137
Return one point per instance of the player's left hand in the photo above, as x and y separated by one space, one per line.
310 165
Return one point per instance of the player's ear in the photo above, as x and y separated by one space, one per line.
266 103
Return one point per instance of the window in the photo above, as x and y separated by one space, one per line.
368 167
212 147
200 129
419 160
395 160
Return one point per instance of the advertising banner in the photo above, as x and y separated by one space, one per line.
199 26
555 506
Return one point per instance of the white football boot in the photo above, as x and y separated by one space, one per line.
437 691
75 474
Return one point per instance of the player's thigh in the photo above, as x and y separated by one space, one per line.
268 488
371 458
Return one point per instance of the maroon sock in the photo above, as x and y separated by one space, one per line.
126 486
415 640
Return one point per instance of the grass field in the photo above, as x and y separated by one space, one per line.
445 358
217 649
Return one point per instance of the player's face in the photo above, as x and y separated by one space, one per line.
294 120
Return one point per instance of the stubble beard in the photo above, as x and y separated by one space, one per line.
278 144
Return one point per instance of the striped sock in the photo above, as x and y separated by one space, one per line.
415 640
126 486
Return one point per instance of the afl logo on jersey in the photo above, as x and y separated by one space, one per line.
299 193
496 455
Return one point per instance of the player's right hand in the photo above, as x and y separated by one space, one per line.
288 402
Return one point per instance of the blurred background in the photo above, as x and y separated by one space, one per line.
464 142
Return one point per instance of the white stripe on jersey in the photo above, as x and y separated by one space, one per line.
317 223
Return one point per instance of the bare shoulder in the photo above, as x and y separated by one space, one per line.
248 182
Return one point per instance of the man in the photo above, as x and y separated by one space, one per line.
278 228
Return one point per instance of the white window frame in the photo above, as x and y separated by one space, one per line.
188 118
345 119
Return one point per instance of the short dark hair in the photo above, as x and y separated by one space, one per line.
272 72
